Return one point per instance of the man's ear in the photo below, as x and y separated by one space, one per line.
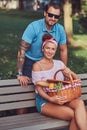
42 49
44 13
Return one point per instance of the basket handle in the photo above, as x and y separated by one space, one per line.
71 79
57 72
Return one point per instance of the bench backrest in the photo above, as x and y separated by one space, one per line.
12 96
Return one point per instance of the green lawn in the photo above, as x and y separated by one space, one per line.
78 54
12 25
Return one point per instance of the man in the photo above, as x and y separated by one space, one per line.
30 48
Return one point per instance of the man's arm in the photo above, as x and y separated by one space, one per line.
23 47
63 53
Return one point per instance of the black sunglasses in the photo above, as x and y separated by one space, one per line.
55 16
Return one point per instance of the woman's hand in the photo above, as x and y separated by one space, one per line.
24 80
58 99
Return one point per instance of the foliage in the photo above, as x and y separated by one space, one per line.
83 21
79 24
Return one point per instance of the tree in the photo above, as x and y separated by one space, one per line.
76 6
5 3
21 6
68 23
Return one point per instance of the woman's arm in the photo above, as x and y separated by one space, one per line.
42 93
54 99
70 74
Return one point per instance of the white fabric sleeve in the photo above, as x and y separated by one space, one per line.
36 76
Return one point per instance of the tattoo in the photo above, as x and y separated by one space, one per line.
20 65
21 55
24 45
22 48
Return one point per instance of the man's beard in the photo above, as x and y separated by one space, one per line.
50 24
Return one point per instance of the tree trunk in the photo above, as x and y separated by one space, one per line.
68 22
21 6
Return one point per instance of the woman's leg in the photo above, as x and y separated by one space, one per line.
61 112
73 125
80 113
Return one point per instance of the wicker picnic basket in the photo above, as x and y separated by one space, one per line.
71 90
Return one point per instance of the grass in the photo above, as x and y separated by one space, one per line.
77 57
12 25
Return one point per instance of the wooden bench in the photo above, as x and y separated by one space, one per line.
12 96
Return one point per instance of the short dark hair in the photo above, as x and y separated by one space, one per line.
52 4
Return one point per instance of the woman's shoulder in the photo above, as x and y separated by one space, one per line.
57 61
36 66
58 64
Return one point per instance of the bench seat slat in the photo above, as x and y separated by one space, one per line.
27 121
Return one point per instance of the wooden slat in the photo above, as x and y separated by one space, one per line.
84 97
17 97
8 82
16 105
84 82
23 96
15 81
35 121
16 89
83 76
84 90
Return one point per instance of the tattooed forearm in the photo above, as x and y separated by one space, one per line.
23 46
21 55
20 64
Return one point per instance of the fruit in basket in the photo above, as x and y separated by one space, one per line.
51 85
58 86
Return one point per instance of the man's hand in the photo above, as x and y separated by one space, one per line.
24 80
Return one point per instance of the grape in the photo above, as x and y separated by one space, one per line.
58 86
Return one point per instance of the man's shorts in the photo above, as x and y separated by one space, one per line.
27 69
40 102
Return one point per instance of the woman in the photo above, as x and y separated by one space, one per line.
55 106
